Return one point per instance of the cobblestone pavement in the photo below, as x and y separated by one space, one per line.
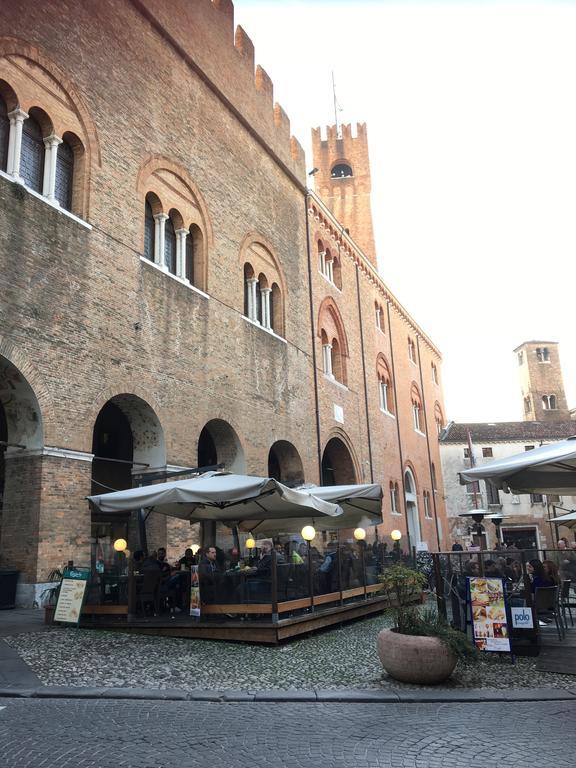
340 659
100 734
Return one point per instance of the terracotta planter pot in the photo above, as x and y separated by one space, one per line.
412 659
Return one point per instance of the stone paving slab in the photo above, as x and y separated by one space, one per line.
14 670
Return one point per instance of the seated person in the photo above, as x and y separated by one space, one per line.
280 553
188 560
208 573
538 575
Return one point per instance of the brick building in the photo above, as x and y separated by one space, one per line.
172 295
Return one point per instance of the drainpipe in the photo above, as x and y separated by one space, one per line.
398 429
312 327
428 446
364 374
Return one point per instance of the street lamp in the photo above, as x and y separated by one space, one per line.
120 545
396 535
359 534
308 533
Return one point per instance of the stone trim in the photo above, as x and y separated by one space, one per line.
50 451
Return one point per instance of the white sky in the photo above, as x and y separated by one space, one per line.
471 114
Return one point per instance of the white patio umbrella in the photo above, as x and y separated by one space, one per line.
568 520
219 496
361 506
548 469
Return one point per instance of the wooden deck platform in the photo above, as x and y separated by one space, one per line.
255 625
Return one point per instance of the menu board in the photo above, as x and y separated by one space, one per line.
194 592
70 600
489 622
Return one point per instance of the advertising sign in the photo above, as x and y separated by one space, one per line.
194 592
489 621
71 595
522 618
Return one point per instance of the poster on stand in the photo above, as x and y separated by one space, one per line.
194 592
71 595
489 618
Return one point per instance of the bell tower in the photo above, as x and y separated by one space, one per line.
541 381
342 180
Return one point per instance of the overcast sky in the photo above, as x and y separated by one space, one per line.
471 115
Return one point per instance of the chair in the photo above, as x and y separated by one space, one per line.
566 603
149 591
546 606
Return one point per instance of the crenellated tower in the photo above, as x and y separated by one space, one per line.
342 180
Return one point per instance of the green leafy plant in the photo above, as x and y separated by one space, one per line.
49 596
427 623
403 587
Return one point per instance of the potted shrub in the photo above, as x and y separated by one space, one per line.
421 647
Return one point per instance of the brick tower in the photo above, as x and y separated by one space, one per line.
343 181
541 381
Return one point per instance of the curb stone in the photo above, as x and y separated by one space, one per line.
397 696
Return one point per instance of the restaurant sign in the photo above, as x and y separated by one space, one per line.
489 620
71 595
522 617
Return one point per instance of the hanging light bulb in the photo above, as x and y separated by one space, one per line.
250 543
195 548
308 532
396 535
120 545
359 534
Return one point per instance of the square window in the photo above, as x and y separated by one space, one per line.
487 453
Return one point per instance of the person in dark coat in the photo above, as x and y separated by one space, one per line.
208 576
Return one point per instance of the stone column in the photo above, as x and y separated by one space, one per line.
327 359
160 222
266 307
17 117
252 282
181 235
51 143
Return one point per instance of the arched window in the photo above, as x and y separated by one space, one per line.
195 257
337 273
434 373
549 402
427 505
394 498
527 404
326 355
417 417
32 155
170 246
385 389
64 175
334 342
4 135
263 286
149 231
341 171
379 313
337 366
438 418
411 350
